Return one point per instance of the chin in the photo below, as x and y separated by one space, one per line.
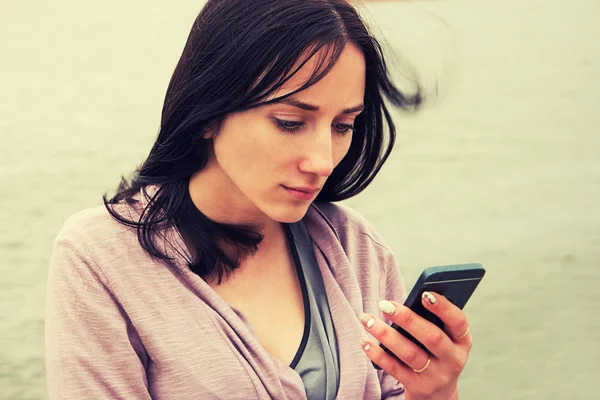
289 214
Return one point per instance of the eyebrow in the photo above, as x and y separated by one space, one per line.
309 107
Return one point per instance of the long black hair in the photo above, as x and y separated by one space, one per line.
237 54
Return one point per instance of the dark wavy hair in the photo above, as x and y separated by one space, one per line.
237 54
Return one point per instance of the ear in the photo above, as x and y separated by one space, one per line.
208 134
211 130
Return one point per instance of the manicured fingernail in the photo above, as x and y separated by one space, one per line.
387 307
429 297
366 346
367 320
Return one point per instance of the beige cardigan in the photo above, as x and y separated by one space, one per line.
122 325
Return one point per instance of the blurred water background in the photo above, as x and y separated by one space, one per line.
503 168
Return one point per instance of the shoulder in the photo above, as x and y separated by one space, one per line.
94 235
343 230
93 245
362 244
92 224
349 225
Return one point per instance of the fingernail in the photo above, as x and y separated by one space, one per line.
366 346
367 320
429 297
387 307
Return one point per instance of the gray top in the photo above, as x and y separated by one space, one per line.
317 360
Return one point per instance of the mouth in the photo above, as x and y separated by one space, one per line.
302 193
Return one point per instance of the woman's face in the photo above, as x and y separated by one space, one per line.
262 153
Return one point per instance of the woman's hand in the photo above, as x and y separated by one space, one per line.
424 376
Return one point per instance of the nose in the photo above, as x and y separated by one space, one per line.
318 157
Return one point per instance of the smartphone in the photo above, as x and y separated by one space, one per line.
455 282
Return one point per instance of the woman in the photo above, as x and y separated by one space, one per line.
223 270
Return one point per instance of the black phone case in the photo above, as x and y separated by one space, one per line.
455 282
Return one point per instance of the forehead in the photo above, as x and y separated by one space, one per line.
343 84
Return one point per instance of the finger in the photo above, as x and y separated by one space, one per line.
391 365
455 320
433 338
407 351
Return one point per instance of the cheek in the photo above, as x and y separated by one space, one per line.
246 148
340 148
234 149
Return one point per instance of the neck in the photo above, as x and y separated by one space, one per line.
217 197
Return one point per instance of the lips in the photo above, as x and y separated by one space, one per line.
306 190
302 193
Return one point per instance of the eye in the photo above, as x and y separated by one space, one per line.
344 129
288 126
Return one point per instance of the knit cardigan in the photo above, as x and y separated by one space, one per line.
121 324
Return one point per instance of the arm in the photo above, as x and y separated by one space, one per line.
391 287
92 350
